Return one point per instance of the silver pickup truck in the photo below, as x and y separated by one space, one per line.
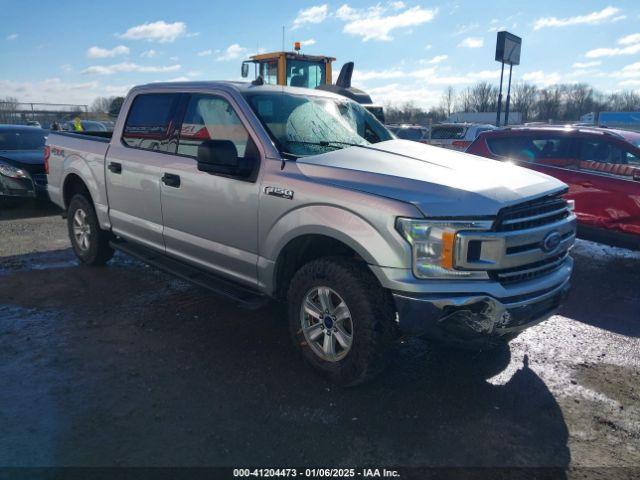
259 192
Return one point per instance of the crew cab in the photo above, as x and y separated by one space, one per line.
261 192
600 165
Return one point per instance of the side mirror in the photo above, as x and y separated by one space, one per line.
221 157
245 70
636 174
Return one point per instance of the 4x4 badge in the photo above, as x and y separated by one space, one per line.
279 192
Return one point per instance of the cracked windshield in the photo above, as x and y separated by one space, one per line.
307 125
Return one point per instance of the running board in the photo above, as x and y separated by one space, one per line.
244 296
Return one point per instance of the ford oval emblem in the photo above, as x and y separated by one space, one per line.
551 241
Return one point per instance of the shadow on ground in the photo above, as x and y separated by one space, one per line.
125 366
618 290
28 208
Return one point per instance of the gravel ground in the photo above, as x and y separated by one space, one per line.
124 365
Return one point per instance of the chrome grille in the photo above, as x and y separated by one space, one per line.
532 214
531 271
516 249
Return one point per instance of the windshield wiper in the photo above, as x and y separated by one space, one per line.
321 143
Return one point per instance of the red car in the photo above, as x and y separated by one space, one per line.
601 167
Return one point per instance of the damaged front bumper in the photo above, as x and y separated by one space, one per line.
472 316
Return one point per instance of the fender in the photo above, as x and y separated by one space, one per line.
91 172
377 248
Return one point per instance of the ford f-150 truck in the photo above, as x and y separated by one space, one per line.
260 192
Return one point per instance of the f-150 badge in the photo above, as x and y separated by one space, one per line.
279 192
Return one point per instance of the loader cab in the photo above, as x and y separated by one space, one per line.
290 69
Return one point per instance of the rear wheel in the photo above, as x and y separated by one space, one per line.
341 319
90 243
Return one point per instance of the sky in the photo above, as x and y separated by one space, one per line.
404 51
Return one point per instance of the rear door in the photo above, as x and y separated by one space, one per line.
134 166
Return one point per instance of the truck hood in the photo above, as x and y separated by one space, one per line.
439 182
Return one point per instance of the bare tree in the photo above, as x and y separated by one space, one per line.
578 100
8 107
524 97
447 102
549 103
626 101
101 104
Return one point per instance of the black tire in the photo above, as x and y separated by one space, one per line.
97 251
372 318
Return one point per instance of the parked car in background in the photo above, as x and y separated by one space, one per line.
33 123
87 126
22 171
456 136
601 167
405 131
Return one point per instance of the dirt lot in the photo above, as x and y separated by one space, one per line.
124 365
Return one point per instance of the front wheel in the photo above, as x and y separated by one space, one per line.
341 319
90 243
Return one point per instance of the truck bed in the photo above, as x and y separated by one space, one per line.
80 152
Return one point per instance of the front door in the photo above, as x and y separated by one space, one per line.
212 220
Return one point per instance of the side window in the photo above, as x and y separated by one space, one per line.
518 148
603 156
149 125
213 118
555 151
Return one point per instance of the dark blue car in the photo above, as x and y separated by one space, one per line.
22 173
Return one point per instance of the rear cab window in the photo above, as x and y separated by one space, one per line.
149 124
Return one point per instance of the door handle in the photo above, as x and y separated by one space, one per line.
115 167
171 180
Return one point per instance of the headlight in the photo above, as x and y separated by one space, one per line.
433 246
11 171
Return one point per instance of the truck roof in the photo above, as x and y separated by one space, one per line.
241 87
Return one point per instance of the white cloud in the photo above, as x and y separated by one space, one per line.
462 29
399 94
586 64
311 15
160 31
151 53
438 59
426 76
12 36
174 59
542 78
613 52
629 39
179 79
472 42
205 53
631 46
374 23
630 83
51 90
97 52
128 67
66 67
309 42
232 52
593 18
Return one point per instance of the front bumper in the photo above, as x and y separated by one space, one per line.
467 317
32 186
